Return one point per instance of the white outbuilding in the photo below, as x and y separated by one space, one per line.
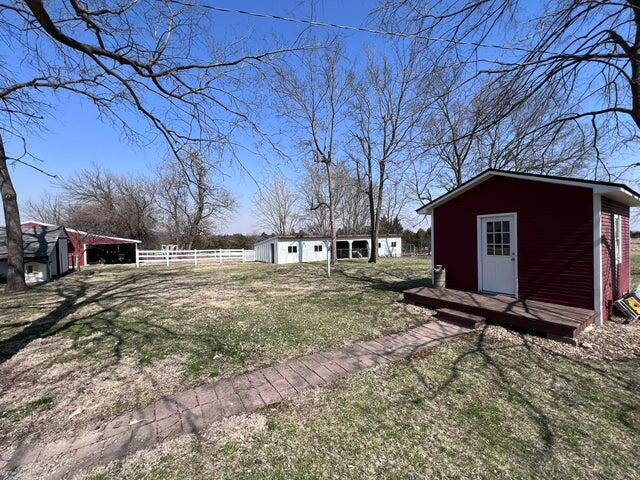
290 249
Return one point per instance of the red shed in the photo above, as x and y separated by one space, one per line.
542 238
92 248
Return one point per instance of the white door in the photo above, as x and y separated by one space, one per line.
497 256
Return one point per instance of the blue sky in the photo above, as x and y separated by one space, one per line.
74 137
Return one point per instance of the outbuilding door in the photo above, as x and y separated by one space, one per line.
497 260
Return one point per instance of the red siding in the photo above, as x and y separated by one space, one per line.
615 281
555 237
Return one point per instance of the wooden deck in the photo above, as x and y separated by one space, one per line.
542 317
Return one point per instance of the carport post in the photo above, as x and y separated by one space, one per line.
137 257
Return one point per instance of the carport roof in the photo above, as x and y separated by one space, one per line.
88 236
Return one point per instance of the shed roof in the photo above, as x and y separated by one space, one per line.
38 241
616 191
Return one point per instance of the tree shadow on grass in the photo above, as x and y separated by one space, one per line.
373 279
513 367
70 298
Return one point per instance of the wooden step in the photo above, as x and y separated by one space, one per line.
460 318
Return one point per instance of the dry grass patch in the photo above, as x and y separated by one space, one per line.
497 404
80 349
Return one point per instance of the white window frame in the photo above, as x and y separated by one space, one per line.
494 244
617 238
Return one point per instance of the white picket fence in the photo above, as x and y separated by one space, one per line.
167 257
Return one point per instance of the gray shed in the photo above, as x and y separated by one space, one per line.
46 252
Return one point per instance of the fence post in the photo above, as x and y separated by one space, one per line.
137 257
195 256
243 255
167 250
220 254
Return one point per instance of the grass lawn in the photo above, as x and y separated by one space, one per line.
484 407
496 404
86 347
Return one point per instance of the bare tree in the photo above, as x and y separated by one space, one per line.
312 192
457 143
352 215
585 53
518 143
105 203
97 202
312 96
451 136
276 207
352 212
154 59
189 199
48 208
386 109
396 199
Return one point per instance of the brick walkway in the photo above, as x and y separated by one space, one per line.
193 410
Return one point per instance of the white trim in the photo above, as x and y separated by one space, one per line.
433 246
597 258
39 223
514 240
433 239
617 240
598 189
479 250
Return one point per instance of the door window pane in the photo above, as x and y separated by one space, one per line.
498 238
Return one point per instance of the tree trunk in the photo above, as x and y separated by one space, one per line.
332 214
373 231
375 224
15 249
